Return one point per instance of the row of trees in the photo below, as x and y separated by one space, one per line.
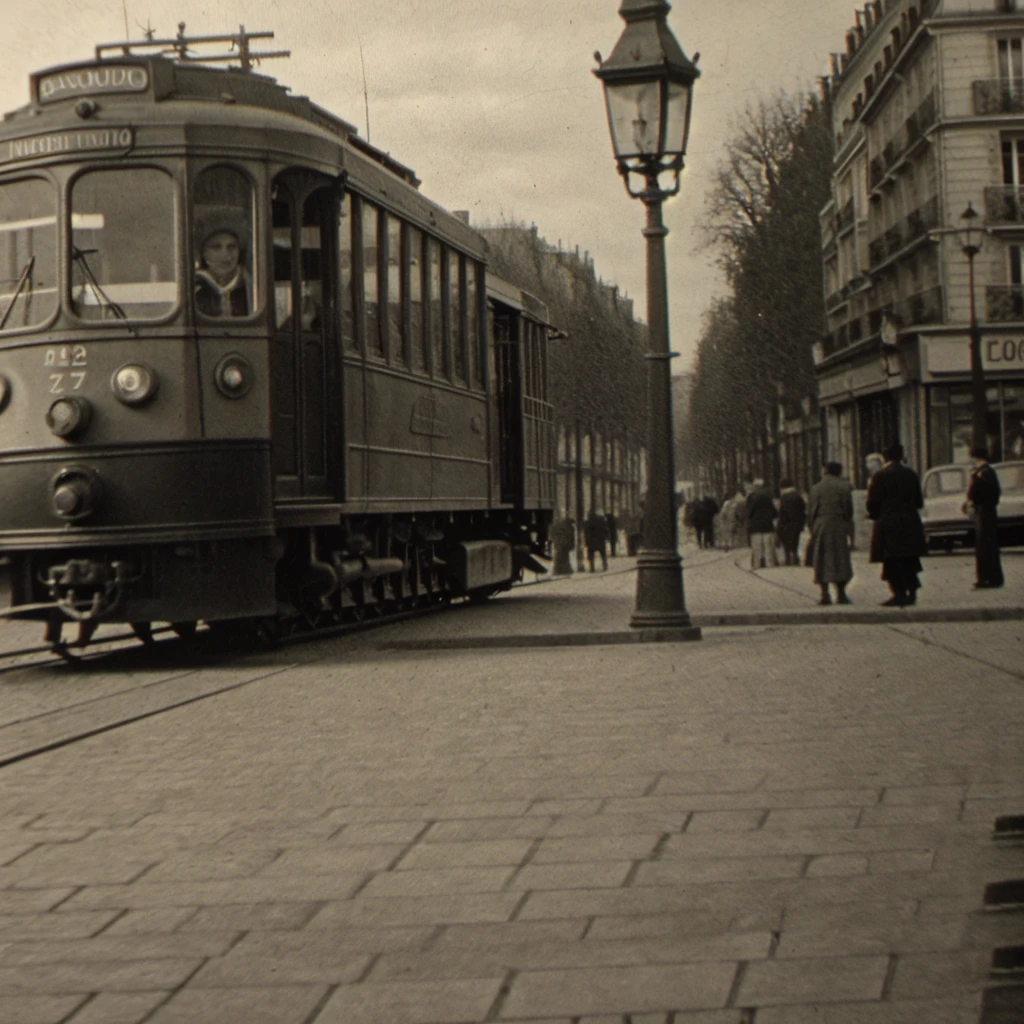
597 373
754 364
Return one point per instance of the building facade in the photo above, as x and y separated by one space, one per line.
928 115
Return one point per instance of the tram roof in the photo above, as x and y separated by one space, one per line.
159 79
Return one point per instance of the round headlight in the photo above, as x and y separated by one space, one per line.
77 493
68 417
5 391
234 376
134 383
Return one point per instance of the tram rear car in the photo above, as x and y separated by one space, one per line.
247 370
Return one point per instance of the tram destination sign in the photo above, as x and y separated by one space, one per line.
84 141
91 81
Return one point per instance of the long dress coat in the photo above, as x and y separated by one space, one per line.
792 518
983 493
830 520
894 497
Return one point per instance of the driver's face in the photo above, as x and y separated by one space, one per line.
220 254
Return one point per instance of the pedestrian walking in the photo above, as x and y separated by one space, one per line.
761 526
613 533
830 520
595 536
736 521
983 493
897 540
633 526
792 518
563 541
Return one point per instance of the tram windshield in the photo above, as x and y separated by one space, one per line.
123 264
28 247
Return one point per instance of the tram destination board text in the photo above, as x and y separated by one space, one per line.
68 142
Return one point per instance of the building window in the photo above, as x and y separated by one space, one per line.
1011 64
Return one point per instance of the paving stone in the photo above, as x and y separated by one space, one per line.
900 860
212 864
12 850
465 908
930 975
587 875
918 795
377 833
293 958
438 882
453 855
609 825
411 1002
70 864
838 864
64 978
26 927
482 829
945 1011
896 814
31 901
818 980
149 922
679 871
817 817
619 989
329 858
724 821
429 812
683 925
114 949
598 847
708 782
510 933
566 808
120 1008
878 938
255 917
37 1009
257 1005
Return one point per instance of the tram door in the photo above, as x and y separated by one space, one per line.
302 363
508 388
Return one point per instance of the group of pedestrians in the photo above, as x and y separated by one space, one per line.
894 501
600 538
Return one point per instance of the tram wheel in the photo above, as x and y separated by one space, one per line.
144 631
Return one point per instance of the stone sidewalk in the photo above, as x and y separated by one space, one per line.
775 825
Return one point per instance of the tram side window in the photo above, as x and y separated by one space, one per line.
349 339
417 345
455 333
396 291
473 322
123 263
28 253
438 348
371 280
281 220
222 232
312 280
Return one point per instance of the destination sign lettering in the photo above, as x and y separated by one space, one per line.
68 142
93 80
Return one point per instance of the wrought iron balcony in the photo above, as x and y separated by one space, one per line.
999 96
893 241
1005 302
923 308
1005 204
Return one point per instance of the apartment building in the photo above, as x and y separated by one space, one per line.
928 115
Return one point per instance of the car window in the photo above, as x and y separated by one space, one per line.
1011 478
945 481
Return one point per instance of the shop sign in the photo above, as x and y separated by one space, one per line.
1002 353
92 81
952 355
67 142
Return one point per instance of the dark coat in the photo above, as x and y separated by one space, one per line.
894 497
792 518
760 511
595 531
830 518
983 493
212 300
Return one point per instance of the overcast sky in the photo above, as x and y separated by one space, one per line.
492 102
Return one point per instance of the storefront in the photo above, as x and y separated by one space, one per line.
946 375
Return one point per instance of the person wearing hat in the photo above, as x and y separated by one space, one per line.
221 281
830 520
897 541
983 493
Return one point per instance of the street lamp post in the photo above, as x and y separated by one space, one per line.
648 82
979 398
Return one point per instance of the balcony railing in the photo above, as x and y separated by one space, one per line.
893 241
1005 204
1005 302
999 96
922 220
923 308
876 251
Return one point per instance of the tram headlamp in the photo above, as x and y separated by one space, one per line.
77 493
234 376
69 416
134 383
5 392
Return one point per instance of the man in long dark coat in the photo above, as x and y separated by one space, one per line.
792 519
983 493
830 517
897 541
595 535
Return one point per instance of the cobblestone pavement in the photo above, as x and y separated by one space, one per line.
776 825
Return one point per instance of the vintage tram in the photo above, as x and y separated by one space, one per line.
248 372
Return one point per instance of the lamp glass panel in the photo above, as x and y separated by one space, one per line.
634 115
677 118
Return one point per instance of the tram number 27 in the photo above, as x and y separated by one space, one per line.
76 379
69 356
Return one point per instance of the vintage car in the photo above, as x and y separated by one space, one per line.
946 523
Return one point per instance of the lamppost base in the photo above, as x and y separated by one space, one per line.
659 592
